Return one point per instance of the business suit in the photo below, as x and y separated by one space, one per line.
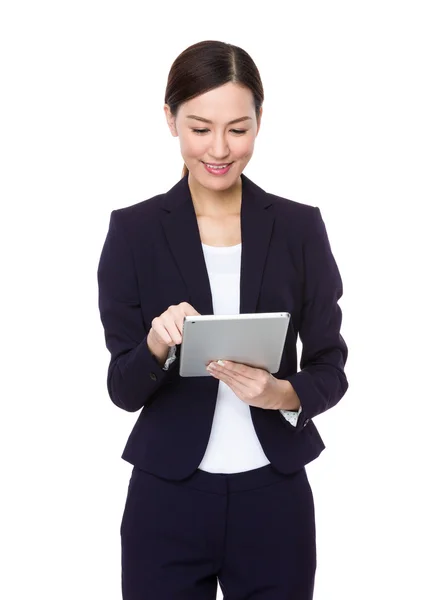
152 258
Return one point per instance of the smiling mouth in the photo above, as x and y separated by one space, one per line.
217 165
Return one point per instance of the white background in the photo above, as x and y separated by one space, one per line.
348 126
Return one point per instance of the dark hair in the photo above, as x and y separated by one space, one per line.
208 65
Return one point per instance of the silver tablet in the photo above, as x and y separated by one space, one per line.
255 339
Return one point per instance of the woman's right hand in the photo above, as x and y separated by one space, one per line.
166 330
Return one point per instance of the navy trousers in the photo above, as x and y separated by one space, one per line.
253 532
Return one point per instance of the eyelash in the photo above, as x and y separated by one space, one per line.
238 131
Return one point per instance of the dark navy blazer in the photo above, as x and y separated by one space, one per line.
152 258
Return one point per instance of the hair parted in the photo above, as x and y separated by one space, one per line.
207 65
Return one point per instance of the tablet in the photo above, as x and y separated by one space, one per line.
254 339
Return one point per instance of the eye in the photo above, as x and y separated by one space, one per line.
236 131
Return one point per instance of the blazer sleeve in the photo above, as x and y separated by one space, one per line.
321 381
134 373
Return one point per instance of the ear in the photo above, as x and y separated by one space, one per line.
170 119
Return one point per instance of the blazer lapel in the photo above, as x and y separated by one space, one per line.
257 225
183 236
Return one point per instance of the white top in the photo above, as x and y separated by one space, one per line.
233 445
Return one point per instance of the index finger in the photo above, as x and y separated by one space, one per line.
187 310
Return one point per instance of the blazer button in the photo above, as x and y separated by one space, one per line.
153 376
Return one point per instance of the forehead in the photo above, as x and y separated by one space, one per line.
222 103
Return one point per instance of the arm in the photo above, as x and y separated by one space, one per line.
321 382
134 374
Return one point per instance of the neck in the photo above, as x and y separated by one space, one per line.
215 203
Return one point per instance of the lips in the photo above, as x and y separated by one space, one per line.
217 171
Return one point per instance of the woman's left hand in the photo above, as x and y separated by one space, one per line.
256 387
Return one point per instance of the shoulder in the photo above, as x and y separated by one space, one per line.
297 215
141 210
139 218
289 210
290 205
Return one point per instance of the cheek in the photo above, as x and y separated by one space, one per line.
244 147
195 147
192 147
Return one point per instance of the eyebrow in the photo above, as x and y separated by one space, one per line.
208 120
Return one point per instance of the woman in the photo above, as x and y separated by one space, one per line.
219 490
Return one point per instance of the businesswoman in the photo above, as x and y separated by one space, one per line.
219 491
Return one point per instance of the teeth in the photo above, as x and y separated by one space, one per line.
215 167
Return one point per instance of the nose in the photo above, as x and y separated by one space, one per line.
219 148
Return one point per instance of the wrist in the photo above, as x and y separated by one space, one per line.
158 350
288 399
